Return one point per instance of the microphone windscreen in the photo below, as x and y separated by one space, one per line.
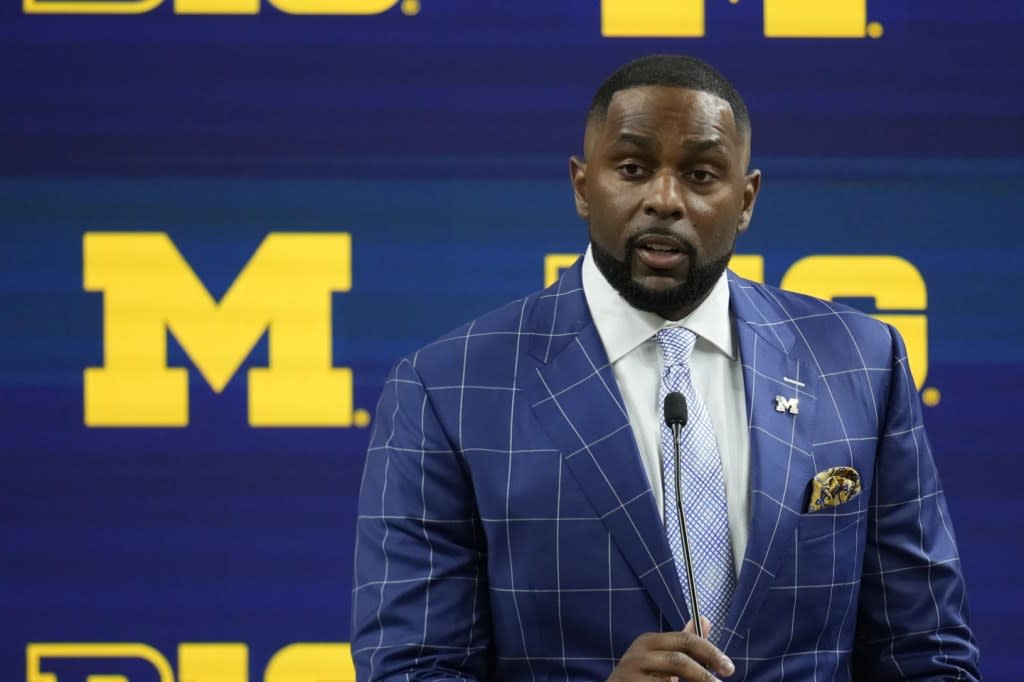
675 409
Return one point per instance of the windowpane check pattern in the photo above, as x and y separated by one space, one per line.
507 529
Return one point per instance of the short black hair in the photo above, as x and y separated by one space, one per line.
672 70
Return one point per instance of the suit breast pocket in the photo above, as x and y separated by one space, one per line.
843 519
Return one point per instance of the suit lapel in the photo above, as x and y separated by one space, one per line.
780 445
575 397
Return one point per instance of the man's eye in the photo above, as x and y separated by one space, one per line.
702 177
631 170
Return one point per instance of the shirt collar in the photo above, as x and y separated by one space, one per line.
622 327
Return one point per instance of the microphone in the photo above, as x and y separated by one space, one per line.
675 418
675 409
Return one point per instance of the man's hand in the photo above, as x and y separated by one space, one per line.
673 655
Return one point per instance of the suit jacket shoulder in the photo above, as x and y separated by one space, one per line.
824 333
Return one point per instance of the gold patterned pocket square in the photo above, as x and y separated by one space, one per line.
832 487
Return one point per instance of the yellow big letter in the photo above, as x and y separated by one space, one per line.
652 18
893 282
312 662
213 662
149 289
94 7
334 6
35 652
815 18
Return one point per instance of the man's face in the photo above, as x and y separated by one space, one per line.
665 191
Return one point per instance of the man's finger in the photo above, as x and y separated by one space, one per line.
692 629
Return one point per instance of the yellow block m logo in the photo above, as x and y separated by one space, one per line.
284 290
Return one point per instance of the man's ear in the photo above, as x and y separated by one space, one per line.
578 176
750 190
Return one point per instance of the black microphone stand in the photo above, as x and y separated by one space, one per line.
675 418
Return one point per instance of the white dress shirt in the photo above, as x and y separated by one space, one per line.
627 335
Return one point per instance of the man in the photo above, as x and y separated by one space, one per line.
519 517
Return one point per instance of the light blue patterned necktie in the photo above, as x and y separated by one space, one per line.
702 483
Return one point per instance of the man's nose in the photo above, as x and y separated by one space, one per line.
664 198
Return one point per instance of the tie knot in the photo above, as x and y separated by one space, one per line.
676 345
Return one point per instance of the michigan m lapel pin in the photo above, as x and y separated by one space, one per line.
789 405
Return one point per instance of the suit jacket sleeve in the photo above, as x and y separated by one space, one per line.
913 619
420 601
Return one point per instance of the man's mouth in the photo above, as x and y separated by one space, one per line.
660 247
661 252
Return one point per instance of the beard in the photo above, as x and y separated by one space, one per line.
684 297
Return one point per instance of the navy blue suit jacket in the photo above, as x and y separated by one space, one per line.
507 529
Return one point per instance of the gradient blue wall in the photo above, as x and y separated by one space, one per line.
437 136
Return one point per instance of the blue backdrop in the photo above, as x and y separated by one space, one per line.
436 136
